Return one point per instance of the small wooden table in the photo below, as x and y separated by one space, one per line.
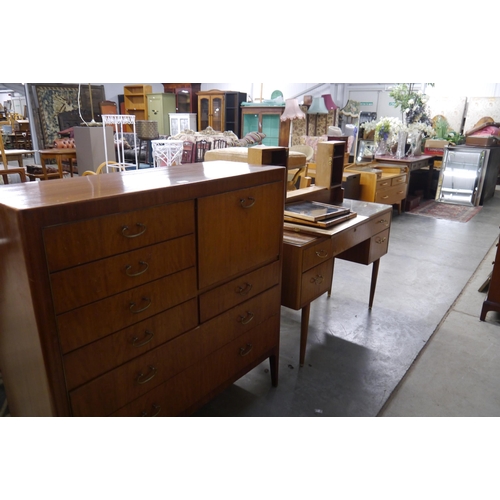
59 155
309 255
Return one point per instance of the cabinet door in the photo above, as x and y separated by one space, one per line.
250 123
183 97
217 114
239 231
271 127
203 113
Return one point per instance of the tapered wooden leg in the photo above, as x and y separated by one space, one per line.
331 281
273 365
304 328
373 284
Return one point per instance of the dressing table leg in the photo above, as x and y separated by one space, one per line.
304 327
373 284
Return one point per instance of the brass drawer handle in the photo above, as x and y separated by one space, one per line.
381 240
247 202
141 263
317 280
400 192
155 407
322 254
134 235
385 197
148 336
140 378
244 290
137 311
383 221
245 350
384 184
247 318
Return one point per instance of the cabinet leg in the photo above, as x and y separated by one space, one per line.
304 328
373 284
273 365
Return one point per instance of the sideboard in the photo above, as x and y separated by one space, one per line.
141 293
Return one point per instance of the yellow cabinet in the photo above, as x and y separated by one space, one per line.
387 184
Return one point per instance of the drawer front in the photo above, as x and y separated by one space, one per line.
106 277
250 237
316 281
96 358
94 321
383 184
73 244
230 294
109 392
318 253
379 223
378 245
181 392
396 181
392 195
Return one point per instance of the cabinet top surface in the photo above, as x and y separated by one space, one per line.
195 179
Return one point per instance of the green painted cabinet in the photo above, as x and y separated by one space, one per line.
159 107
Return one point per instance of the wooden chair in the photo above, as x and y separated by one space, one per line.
5 171
187 152
110 164
200 149
219 144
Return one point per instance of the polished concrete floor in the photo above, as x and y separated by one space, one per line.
362 363
420 351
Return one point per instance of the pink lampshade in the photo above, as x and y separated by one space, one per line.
292 111
329 102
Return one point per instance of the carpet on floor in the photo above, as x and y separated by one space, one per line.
447 211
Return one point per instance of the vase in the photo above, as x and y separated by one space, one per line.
402 137
381 148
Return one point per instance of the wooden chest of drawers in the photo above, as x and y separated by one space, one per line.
390 187
142 293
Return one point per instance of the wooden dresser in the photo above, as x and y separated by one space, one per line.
388 186
492 300
141 293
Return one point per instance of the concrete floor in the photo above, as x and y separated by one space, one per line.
427 302
421 350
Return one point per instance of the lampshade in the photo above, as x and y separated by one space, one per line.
292 111
317 107
329 102
146 129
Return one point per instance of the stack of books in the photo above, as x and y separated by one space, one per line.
316 214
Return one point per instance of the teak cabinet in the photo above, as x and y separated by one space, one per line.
141 293
220 110
135 100
185 96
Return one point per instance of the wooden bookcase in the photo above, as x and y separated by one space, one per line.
136 102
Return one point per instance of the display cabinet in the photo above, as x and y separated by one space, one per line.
185 96
266 119
220 110
135 100
182 121
160 105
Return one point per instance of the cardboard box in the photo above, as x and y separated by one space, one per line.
435 147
